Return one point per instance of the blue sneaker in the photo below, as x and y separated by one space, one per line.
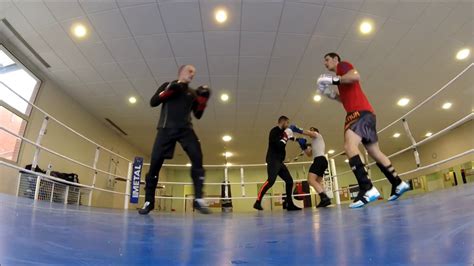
397 191
364 197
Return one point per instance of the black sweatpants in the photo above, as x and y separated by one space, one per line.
163 148
277 168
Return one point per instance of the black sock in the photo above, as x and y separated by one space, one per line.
323 195
390 173
358 168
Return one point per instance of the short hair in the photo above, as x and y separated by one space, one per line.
333 55
314 129
282 118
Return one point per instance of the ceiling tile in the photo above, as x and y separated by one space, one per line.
187 44
257 43
224 83
330 27
93 6
143 19
63 10
299 18
163 66
290 45
154 46
110 72
223 65
379 8
283 65
125 3
135 69
90 38
181 16
409 11
110 25
88 75
261 16
222 43
96 53
36 13
124 49
352 5
253 66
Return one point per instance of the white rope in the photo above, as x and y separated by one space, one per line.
471 151
59 180
59 155
432 137
64 125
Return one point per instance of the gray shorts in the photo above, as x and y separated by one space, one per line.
364 124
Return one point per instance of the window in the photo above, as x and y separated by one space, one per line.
14 112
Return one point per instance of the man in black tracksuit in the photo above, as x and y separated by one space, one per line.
276 154
177 101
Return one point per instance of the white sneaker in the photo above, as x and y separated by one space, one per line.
364 198
399 190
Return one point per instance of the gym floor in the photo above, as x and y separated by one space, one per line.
428 229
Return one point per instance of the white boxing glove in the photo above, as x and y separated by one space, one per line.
327 91
326 79
290 134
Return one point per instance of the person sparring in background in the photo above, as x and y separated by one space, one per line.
360 126
276 154
177 101
320 163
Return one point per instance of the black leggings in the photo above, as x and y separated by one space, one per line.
274 169
163 148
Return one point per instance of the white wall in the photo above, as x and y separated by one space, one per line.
61 106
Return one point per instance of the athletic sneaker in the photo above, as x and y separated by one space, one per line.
258 205
147 207
397 191
364 197
324 203
201 206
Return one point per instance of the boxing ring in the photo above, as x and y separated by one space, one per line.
429 228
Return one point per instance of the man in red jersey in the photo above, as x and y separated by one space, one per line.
360 127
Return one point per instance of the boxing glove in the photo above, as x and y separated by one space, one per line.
173 88
326 79
303 143
289 134
296 129
203 94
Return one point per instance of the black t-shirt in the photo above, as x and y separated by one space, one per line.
176 110
276 145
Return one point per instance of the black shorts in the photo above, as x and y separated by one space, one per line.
319 166
364 124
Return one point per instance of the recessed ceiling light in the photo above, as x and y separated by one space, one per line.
228 154
317 98
365 27
447 105
428 134
403 101
132 100
346 160
226 138
396 135
221 15
331 151
463 54
225 97
188 164
79 30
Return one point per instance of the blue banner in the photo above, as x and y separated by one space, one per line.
136 174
